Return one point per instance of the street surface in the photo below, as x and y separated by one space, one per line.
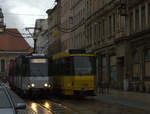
77 106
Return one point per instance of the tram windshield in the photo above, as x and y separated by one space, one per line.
84 65
39 67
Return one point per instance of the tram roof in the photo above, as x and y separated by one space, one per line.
74 52
32 56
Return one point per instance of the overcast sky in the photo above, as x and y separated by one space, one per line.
23 13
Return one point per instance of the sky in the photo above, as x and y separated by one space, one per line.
21 14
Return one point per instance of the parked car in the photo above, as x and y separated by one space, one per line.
7 104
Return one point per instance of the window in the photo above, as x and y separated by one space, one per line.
104 64
103 3
70 20
84 65
103 28
99 29
90 34
137 19
114 22
38 67
95 32
113 68
2 65
143 17
147 62
131 23
136 66
110 24
149 13
122 23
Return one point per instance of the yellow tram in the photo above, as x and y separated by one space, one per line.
74 73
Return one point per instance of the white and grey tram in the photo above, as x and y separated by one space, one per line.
30 75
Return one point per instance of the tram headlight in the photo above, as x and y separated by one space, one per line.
28 86
45 85
32 85
49 85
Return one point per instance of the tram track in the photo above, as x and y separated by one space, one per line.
51 107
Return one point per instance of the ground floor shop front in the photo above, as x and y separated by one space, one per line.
125 65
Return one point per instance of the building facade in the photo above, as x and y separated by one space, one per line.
138 30
78 30
118 32
106 31
41 35
54 34
66 22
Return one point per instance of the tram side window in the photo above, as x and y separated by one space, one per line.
50 67
59 67
56 67
17 71
53 68
2 65
68 66
62 66
24 69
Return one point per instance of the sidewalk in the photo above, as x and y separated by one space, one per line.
130 99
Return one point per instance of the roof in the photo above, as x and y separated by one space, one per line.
12 40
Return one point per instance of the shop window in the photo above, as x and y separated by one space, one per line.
104 67
113 68
136 66
147 63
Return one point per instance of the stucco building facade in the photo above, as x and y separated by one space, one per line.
66 22
41 35
118 32
54 34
